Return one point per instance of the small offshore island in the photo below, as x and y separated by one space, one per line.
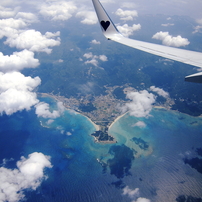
103 111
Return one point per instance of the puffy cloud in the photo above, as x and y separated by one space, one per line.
58 10
127 14
12 23
94 58
134 194
43 110
28 175
34 41
18 61
88 55
159 91
131 193
141 103
103 58
88 17
142 200
140 124
16 92
68 133
93 62
169 40
94 41
127 30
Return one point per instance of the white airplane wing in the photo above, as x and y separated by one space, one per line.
185 56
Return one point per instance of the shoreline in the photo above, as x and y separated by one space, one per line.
97 127
122 115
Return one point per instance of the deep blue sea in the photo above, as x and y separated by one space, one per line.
151 158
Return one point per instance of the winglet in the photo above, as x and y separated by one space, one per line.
108 28
196 78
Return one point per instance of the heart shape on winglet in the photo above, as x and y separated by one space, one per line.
104 24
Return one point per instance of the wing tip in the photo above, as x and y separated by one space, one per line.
195 78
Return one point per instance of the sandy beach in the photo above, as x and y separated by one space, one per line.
116 120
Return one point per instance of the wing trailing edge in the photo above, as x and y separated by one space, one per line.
111 32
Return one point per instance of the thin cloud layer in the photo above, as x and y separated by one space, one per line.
159 91
28 175
126 14
7 12
16 92
126 30
27 17
139 124
169 40
43 110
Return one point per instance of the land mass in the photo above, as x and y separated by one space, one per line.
102 110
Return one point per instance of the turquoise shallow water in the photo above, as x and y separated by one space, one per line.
150 158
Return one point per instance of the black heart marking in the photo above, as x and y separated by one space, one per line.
104 24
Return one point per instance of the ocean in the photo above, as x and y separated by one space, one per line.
149 155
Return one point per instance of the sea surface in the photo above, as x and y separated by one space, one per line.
153 154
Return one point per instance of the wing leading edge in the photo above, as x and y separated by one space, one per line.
185 56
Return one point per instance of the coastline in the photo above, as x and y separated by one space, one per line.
116 120
97 127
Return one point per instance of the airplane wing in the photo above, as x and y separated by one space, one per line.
111 32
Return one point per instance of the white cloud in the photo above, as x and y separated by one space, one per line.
131 193
134 194
140 124
28 175
127 30
94 58
197 29
86 88
27 17
18 61
103 58
94 41
142 200
93 62
12 23
58 10
7 12
68 133
34 41
88 17
167 24
199 21
159 91
88 55
169 40
126 14
43 110
141 103
16 92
